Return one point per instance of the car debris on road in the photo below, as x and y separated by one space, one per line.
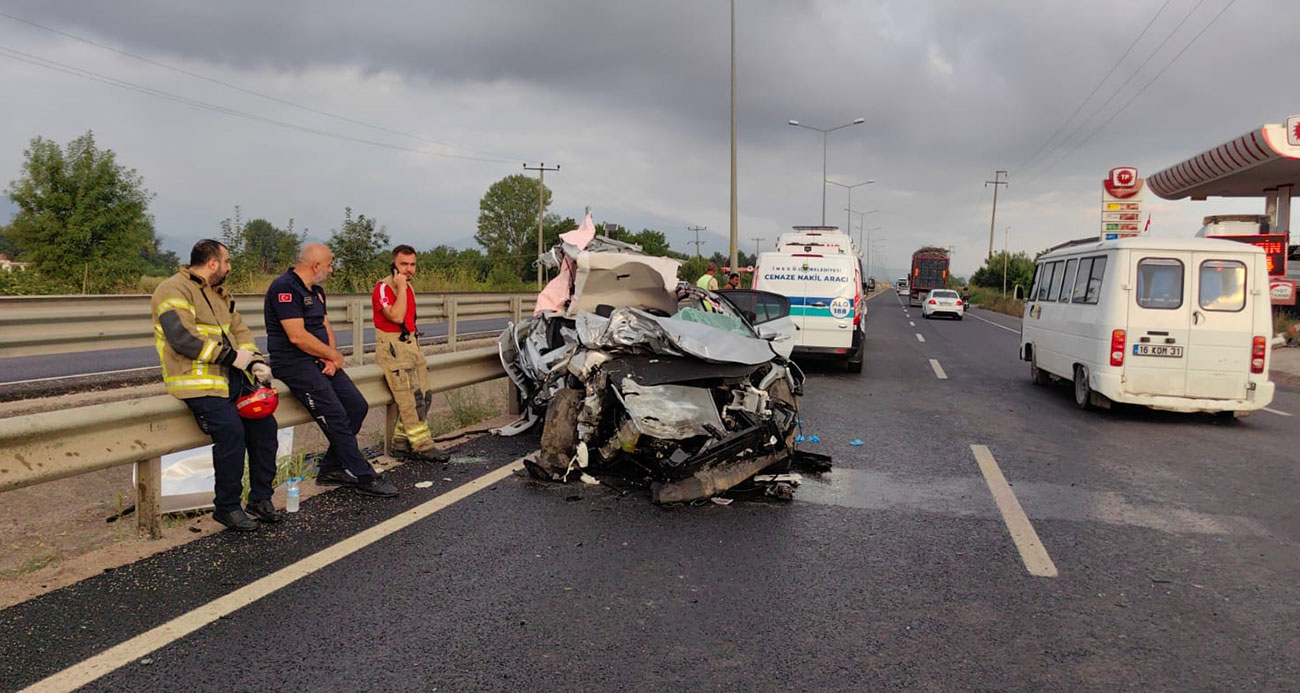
636 375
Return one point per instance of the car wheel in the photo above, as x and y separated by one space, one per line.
559 435
1038 375
1082 391
959 317
854 364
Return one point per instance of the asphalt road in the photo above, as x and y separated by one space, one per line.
1173 540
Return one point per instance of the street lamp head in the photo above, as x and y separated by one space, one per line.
792 122
859 121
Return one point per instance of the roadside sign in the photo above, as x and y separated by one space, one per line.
1282 292
1274 246
1293 131
1121 203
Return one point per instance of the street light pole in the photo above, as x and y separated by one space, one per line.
541 170
997 180
825 132
848 220
1006 258
734 223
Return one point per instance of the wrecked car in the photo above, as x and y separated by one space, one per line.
634 374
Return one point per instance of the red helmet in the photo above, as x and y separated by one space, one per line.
259 403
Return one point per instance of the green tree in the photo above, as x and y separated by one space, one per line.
1019 270
9 243
359 257
83 219
507 221
653 243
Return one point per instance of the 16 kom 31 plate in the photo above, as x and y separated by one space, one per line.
1158 350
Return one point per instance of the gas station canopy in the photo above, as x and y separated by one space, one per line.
1257 164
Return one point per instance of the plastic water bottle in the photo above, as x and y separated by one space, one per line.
291 495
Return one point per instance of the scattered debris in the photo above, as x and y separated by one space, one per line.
423 484
635 375
856 442
719 500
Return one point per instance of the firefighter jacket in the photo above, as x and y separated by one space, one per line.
196 332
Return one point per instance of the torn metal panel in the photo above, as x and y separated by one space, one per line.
654 369
671 412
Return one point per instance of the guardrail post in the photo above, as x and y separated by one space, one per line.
451 321
516 308
514 404
148 497
358 332
390 425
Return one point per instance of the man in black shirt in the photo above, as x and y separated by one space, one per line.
301 345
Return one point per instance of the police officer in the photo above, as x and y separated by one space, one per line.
301 343
204 345
397 350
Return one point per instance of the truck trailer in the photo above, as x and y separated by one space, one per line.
929 271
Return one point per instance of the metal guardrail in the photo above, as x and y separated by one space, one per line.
55 445
42 325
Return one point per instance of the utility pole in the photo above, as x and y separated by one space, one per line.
541 170
997 180
735 229
756 240
697 242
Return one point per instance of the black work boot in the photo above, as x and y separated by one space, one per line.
264 511
235 519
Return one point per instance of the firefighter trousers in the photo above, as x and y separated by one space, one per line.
408 380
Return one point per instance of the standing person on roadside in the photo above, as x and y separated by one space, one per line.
397 351
205 348
733 281
707 280
301 343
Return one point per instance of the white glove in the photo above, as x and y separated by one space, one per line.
243 357
262 372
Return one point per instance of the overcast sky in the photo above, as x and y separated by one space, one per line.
631 99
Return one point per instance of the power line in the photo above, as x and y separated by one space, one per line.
697 242
1120 88
1029 161
245 90
158 93
1144 87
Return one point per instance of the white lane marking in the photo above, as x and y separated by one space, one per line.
911 323
919 338
1008 329
1035 557
117 656
938 370
1274 411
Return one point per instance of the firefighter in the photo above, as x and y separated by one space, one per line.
301 343
397 351
205 347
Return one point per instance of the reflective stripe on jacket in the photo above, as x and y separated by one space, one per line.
196 332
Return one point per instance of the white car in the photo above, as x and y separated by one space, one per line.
942 302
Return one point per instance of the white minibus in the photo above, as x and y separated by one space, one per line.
826 302
1175 324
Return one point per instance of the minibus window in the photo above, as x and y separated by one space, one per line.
1058 274
1081 280
1038 282
1048 269
1223 285
1094 280
1068 285
1160 283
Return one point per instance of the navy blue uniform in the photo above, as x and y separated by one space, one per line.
334 401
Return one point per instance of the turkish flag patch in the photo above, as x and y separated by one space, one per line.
286 298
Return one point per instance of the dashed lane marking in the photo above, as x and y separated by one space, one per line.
1008 329
1035 557
938 370
1274 411
911 323
117 656
919 338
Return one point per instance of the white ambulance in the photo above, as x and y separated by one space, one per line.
1175 324
826 301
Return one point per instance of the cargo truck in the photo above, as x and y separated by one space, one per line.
929 271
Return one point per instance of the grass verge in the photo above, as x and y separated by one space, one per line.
991 299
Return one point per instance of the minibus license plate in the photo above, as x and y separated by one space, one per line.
1157 350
